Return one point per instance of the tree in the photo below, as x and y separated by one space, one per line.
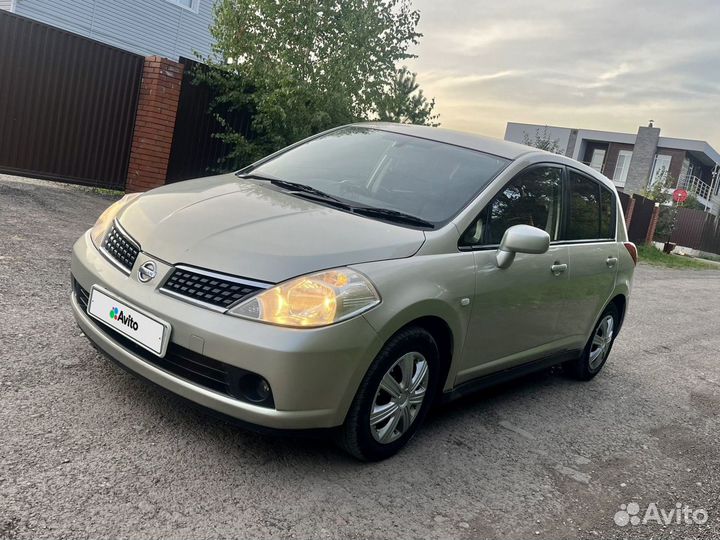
692 202
404 102
660 191
299 67
543 141
657 190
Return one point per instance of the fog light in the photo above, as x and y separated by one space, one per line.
252 388
263 389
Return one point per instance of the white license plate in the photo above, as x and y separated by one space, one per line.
145 330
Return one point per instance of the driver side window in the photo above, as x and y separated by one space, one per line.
531 198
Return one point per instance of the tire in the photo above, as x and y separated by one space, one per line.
590 363
381 440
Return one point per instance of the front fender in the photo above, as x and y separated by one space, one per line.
439 286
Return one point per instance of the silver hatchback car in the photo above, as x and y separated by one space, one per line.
352 279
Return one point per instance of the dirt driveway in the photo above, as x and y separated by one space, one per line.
86 450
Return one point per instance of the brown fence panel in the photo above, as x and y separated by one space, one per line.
710 240
689 225
195 150
67 104
624 201
641 219
696 229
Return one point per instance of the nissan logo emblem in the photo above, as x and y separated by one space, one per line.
147 271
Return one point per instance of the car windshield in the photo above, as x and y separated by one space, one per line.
369 167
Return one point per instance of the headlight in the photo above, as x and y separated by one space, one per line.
106 218
313 300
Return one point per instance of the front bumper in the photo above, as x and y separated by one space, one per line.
313 373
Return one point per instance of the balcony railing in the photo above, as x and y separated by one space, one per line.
693 184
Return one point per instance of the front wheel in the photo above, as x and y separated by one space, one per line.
598 347
393 398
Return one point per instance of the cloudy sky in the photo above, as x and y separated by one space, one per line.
602 64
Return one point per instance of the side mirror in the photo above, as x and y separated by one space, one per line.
521 239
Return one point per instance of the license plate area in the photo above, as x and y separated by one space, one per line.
135 324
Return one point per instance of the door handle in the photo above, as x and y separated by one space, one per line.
558 268
611 261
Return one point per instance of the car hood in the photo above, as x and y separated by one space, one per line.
244 228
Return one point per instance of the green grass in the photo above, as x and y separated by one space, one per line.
106 192
656 257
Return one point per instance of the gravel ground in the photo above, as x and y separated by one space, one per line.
86 450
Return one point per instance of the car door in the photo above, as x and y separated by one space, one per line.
590 235
515 310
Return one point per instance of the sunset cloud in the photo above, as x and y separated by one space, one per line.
609 64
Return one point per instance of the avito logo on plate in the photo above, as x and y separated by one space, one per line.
120 316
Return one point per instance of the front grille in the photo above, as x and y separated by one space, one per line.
120 247
182 362
214 290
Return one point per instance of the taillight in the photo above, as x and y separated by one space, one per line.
632 250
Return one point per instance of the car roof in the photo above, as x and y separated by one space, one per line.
497 147
489 145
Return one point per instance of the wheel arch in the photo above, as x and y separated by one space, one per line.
620 301
441 332
444 320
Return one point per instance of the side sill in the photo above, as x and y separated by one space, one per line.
499 377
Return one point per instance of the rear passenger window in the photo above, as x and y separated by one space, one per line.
584 208
607 213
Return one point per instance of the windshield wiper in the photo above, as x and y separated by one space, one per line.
392 215
256 176
316 194
298 189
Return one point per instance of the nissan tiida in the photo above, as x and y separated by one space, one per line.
353 279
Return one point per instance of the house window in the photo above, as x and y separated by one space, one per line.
622 167
187 4
661 169
597 160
